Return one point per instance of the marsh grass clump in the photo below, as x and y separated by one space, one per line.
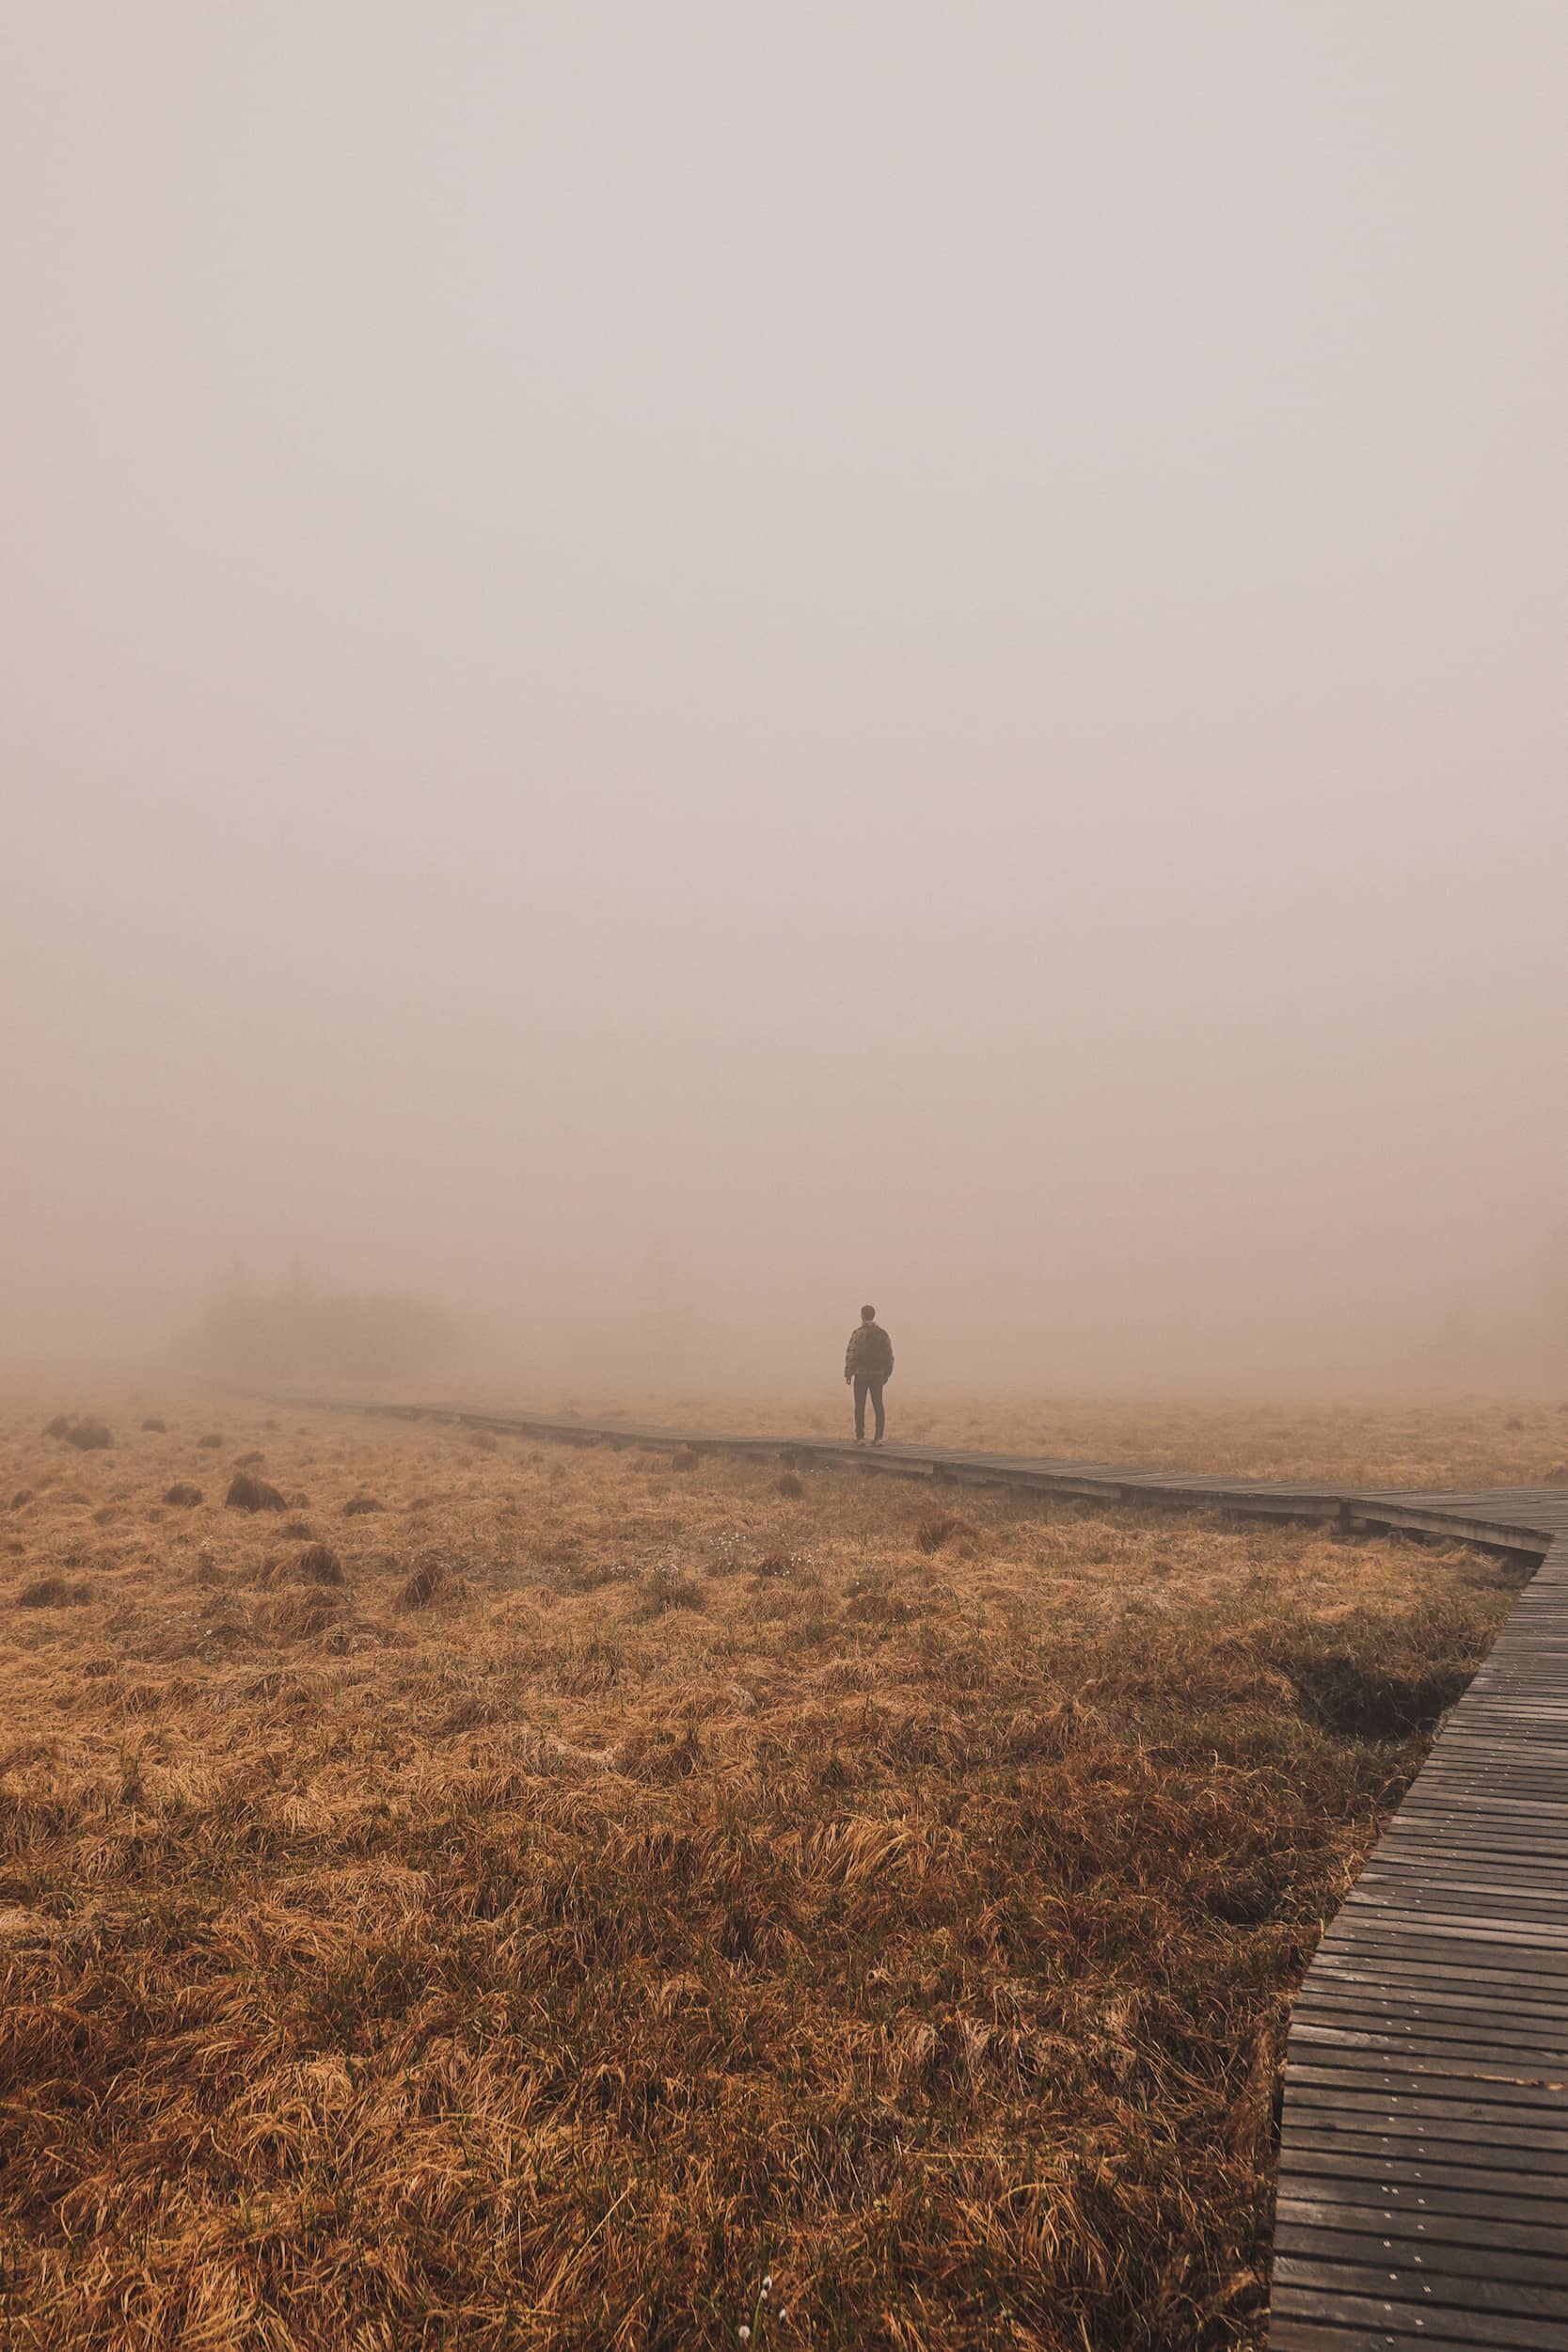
663 1587
181 1496
83 1430
316 1564
358 1506
53 1592
298 1615
319 1564
939 1528
544 1956
429 1584
249 1493
156 1423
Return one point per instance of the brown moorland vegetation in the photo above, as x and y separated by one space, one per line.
1473 1443
541 1911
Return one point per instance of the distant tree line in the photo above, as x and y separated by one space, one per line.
298 1331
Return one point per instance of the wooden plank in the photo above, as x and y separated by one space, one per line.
1437 2257
1473 2065
1378 2322
1405 2184
1515 2105
1399 2280
1475 2044
1449 2233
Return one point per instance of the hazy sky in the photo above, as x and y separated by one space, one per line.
720 659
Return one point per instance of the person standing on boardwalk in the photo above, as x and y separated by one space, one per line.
867 1362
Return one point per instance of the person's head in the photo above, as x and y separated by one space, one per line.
868 1315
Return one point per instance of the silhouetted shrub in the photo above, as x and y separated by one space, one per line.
297 1331
83 1430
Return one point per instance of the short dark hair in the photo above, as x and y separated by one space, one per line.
868 1315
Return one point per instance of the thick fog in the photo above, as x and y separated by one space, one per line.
670 668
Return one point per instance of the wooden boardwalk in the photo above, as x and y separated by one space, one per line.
1423 2160
1423 2163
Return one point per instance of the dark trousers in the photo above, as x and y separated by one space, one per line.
868 1383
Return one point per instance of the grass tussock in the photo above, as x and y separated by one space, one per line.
248 1493
617 1886
53 1592
429 1582
83 1430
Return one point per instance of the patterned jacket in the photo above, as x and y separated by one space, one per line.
870 1351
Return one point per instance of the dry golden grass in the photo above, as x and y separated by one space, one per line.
1460 1444
599 1886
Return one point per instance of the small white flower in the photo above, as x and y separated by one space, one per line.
744 2334
768 2284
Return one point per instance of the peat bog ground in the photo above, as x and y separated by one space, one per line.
503 1894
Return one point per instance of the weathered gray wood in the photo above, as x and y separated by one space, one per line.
1433 2024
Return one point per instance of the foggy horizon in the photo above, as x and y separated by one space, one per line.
671 670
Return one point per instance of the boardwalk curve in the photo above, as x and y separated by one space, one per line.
1424 2161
